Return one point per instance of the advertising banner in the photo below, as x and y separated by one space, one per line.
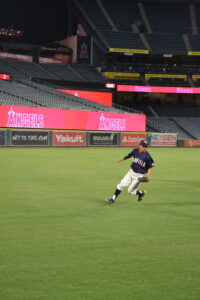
119 75
103 139
195 77
150 75
2 138
194 53
69 138
5 76
48 118
131 139
29 138
164 139
192 143
99 97
157 89
124 50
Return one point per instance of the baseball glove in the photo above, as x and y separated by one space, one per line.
143 179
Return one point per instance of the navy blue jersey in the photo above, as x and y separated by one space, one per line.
141 161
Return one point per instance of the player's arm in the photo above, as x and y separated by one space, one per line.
125 157
149 172
150 167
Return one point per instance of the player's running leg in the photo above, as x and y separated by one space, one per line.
133 189
126 181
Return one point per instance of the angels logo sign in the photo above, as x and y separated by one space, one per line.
115 124
23 120
84 51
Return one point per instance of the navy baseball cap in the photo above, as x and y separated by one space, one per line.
144 143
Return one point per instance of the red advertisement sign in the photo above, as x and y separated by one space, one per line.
131 139
192 143
5 76
165 139
69 138
48 118
157 89
99 97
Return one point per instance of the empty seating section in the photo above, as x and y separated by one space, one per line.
25 95
168 17
168 20
196 83
7 98
28 93
186 127
177 111
165 125
7 67
197 7
166 43
88 73
63 72
95 14
123 39
123 14
144 107
195 42
191 125
20 69
30 69
168 82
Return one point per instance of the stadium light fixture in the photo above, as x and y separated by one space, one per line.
11 32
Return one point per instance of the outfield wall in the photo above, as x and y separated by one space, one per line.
62 138
67 138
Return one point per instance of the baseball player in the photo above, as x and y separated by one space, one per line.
140 171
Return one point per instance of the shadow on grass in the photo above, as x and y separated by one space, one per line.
119 202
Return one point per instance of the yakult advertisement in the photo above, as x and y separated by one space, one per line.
69 138
46 118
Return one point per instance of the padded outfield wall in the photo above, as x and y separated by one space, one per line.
13 137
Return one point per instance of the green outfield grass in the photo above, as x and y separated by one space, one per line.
59 240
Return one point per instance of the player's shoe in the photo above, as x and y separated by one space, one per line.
141 195
110 201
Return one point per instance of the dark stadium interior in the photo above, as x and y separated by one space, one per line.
127 37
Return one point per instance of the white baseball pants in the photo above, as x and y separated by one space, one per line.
130 180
